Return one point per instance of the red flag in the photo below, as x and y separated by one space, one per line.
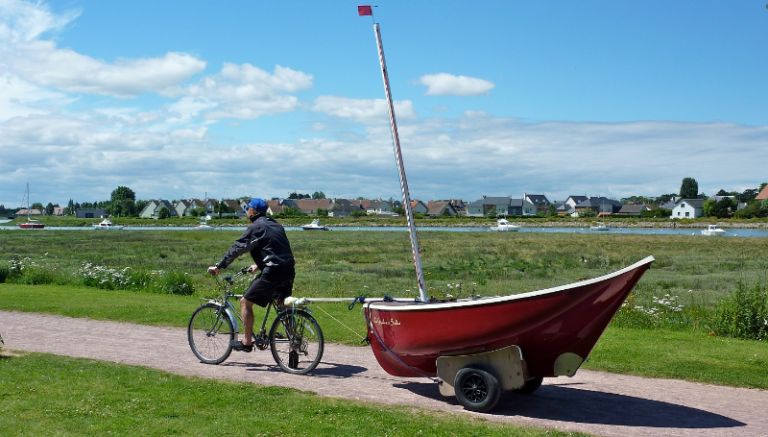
364 10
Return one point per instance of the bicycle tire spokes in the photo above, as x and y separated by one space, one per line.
301 350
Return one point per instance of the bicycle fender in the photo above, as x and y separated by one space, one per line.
235 325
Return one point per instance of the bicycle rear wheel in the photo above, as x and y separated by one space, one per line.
296 341
209 333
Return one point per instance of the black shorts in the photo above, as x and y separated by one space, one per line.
271 280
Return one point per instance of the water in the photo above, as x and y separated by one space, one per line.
615 231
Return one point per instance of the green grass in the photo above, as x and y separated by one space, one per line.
53 395
698 272
660 353
682 355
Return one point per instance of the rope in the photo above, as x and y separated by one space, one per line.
370 328
340 322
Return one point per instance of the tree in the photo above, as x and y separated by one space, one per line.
37 205
689 189
320 212
296 195
551 210
121 193
49 208
748 194
706 208
122 202
722 209
587 212
70 210
318 195
123 208
164 213
722 193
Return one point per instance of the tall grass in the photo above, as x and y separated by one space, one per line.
691 278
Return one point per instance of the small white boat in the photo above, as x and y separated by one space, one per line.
315 226
600 227
713 231
504 225
106 224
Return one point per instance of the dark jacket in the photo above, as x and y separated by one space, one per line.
265 239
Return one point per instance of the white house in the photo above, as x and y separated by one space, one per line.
687 208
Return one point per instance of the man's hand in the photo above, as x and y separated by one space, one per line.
213 270
253 269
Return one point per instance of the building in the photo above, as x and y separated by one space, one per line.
688 208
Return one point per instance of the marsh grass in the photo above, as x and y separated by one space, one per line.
54 395
697 273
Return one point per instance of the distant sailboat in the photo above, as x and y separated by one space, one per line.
30 223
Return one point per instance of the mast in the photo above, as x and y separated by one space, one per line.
401 170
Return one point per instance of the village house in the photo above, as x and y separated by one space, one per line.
153 207
688 208
438 208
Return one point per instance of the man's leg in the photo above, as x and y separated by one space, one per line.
246 309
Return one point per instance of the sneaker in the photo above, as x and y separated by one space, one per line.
239 346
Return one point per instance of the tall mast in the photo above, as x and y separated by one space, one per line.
401 170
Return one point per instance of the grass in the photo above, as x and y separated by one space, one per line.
660 353
695 273
53 395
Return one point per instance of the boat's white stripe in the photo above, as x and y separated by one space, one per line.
499 299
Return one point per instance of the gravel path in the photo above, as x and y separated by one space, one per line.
595 402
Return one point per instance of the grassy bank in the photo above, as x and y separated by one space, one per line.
677 297
53 395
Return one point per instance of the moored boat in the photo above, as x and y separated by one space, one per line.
504 225
315 226
600 227
30 223
713 231
106 224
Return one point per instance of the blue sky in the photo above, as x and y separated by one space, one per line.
179 99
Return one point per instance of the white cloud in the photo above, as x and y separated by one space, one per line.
368 111
444 84
22 21
248 92
465 157
41 62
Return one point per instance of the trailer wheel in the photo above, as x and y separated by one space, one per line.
530 386
476 389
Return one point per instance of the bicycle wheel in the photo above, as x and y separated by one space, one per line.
296 342
209 332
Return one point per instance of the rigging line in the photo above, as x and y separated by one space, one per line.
340 322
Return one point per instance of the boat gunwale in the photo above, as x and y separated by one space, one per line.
422 306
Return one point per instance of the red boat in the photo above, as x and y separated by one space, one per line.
561 323
32 224
478 347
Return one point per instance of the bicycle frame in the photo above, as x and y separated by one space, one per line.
224 300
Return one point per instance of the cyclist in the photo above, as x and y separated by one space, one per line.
268 245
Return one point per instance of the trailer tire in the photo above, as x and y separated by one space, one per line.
476 389
530 386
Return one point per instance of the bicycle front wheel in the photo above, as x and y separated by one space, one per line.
209 333
296 342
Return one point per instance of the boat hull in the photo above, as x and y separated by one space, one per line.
546 325
31 225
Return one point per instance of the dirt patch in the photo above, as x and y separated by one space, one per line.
595 402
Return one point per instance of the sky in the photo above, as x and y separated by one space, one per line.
183 99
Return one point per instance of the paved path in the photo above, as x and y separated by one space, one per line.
595 402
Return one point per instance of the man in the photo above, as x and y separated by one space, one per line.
265 239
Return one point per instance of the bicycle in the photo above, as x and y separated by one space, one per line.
295 337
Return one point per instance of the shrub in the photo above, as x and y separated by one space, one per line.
743 314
